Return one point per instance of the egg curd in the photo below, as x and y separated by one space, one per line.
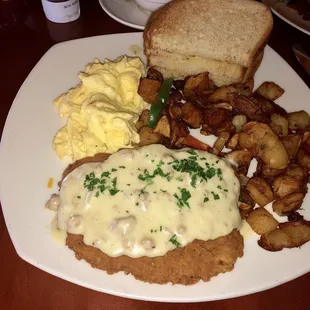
102 110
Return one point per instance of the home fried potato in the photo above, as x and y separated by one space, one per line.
239 157
143 119
260 191
154 74
288 235
288 204
298 173
175 110
303 159
298 120
285 185
270 90
271 173
279 125
196 84
292 143
215 117
221 94
192 115
233 141
262 221
265 144
179 131
220 142
163 127
148 89
148 136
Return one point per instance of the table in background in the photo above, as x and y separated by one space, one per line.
23 286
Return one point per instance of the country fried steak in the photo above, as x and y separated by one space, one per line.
199 260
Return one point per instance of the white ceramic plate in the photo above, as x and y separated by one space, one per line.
126 12
27 161
288 15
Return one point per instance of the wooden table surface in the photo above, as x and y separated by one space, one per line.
23 286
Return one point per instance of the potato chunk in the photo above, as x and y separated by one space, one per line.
270 90
192 115
148 136
288 204
285 184
261 221
148 89
260 191
288 235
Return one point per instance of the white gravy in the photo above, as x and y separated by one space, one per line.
147 201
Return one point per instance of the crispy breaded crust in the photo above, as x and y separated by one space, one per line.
199 260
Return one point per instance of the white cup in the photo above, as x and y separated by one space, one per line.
151 5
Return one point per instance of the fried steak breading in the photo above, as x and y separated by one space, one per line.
199 260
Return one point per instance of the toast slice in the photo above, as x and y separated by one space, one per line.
222 73
230 31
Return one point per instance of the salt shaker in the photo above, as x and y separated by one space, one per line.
61 11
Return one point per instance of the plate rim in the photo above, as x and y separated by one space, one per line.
118 19
121 294
285 19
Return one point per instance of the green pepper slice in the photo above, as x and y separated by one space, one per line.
160 102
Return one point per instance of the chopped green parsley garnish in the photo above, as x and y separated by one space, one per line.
183 200
215 196
79 197
206 199
180 178
192 152
163 191
146 176
219 174
113 169
122 167
160 228
192 167
174 241
137 203
91 183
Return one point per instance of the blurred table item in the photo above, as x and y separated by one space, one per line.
24 287
61 11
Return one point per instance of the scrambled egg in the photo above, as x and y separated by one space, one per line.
102 110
